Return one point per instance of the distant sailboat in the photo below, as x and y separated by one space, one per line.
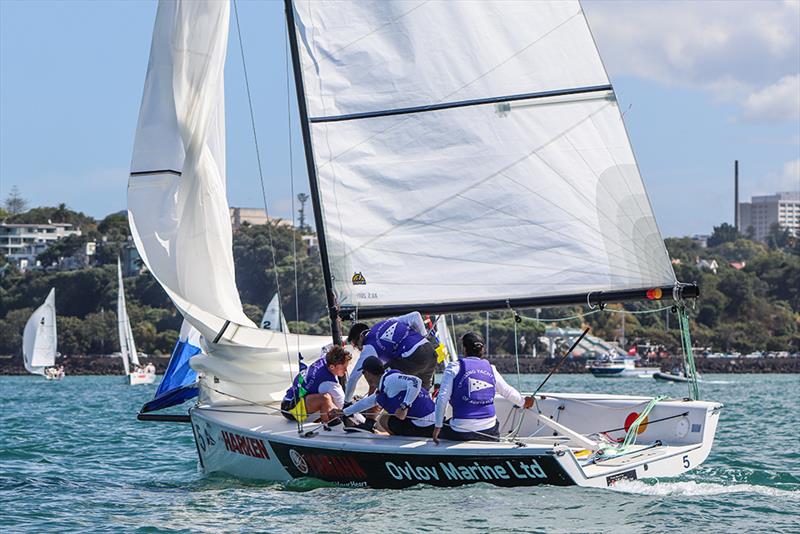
127 346
273 317
39 341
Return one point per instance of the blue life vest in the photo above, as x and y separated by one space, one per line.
422 406
391 339
313 377
473 390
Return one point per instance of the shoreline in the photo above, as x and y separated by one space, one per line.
107 365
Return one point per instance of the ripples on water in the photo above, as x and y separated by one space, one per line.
74 458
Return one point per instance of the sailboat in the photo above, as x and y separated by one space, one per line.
273 318
462 156
39 341
127 346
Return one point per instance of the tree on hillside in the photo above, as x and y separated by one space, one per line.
777 237
302 198
723 233
60 214
15 204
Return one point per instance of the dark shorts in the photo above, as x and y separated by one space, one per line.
404 427
490 434
420 363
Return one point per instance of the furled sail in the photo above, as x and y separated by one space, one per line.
39 337
127 346
470 151
273 318
177 203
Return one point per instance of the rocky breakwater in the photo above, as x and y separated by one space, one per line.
83 365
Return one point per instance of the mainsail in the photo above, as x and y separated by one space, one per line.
469 152
127 346
39 337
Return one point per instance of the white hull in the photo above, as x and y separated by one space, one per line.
259 443
141 378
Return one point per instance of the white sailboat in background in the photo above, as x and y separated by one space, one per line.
273 318
39 341
127 346
462 156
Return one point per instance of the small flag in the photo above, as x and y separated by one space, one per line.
299 411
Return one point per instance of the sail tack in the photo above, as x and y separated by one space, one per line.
177 203
39 337
484 158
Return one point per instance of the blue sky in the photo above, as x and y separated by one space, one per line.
703 83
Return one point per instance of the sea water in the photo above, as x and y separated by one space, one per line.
73 458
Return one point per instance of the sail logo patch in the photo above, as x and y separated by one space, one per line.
478 385
389 334
359 280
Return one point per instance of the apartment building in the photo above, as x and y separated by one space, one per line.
21 243
764 211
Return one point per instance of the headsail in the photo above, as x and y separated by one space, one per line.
39 338
179 382
177 206
476 160
127 346
273 316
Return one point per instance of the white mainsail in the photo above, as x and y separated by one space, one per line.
273 318
177 204
39 338
127 346
470 151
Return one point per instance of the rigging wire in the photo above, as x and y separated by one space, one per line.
261 180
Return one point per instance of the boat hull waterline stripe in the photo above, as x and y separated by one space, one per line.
463 103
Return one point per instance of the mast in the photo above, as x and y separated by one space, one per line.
312 174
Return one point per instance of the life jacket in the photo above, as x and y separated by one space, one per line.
391 339
473 390
313 377
422 406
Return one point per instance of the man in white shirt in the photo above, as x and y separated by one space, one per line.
469 385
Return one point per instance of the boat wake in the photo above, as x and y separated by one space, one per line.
695 489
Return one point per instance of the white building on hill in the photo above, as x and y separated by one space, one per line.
764 211
21 243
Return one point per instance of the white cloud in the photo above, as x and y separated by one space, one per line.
731 49
787 179
778 101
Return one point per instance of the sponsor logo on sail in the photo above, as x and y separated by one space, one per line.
359 280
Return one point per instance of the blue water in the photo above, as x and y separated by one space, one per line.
73 458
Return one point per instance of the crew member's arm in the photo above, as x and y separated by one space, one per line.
414 320
352 380
397 383
363 405
335 391
509 392
443 397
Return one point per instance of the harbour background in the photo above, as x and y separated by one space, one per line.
73 458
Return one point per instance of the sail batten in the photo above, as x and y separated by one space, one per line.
539 189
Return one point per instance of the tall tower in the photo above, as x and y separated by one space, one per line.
736 195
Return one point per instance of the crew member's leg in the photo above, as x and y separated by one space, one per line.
489 434
420 363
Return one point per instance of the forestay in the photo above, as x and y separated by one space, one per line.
127 345
468 151
39 337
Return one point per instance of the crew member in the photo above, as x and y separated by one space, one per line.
400 343
317 388
409 406
469 385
